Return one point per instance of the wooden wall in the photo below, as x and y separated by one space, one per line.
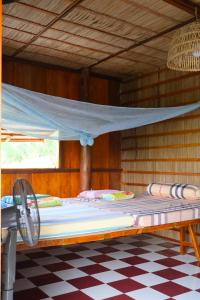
168 151
64 182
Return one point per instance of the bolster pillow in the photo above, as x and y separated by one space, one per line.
175 191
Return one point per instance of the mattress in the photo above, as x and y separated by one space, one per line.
78 217
81 217
147 210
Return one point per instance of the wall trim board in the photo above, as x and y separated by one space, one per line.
175 146
158 83
182 102
159 96
185 159
161 173
134 184
59 170
177 119
182 118
177 132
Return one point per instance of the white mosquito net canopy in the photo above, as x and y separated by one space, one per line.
49 117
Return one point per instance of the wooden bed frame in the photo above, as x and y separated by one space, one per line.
182 226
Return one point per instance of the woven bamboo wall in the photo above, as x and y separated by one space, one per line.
168 151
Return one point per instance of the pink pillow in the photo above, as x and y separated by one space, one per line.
91 194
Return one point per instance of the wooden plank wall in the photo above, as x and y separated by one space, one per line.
168 151
64 182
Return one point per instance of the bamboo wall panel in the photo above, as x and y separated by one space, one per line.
168 151
105 156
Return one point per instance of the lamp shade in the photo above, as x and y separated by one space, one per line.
184 50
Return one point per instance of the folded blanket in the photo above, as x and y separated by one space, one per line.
117 196
49 202
176 191
5 200
8 200
38 196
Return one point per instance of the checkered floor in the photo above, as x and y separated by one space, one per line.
139 267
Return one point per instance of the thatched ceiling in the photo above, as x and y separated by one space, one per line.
113 37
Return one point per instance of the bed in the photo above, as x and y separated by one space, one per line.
82 220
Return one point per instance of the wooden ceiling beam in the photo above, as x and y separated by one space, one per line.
63 31
134 26
48 12
57 18
148 9
128 59
56 50
187 6
135 45
83 26
60 41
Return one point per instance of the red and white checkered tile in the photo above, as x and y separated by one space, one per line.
139 267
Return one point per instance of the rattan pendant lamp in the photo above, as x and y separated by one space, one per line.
184 50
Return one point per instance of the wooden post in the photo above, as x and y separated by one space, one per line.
61 154
85 168
85 163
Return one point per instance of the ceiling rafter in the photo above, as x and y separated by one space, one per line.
53 49
71 22
63 31
144 29
135 45
148 9
57 18
82 25
60 41
83 37
187 6
121 43
48 12
80 47
59 58
87 38
145 55
154 49
101 30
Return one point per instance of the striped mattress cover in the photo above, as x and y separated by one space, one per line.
80 217
147 210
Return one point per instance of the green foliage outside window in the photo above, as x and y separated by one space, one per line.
43 154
